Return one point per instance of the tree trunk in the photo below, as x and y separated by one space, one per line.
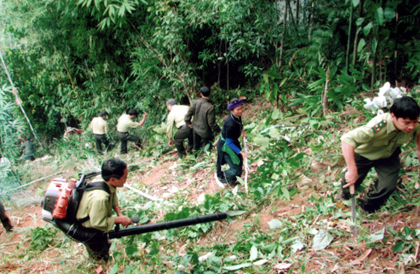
219 63
297 11
373 79
227 67
284 35
291 12
396 44
349 37
310 21
356 37
324 97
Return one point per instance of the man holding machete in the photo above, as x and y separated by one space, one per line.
377 144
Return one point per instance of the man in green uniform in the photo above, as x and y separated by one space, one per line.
377 145
99 127
29 149
176 129
125 122
95 208
5 219
204 123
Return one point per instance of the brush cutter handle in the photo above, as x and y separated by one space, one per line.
352 189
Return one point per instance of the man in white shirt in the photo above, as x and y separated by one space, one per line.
99 128
176 128
125 122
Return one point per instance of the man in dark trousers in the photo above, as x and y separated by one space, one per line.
377 145
176 129
4 219
95 208
125 122
99 127
204 123
29 149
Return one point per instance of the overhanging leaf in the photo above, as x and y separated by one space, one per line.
389 13
359 21
367 29
361 44
379 16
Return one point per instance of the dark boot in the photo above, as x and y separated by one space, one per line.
7 224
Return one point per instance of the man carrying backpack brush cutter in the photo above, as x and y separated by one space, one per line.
83 211
95 208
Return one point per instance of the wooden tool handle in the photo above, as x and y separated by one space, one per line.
352 190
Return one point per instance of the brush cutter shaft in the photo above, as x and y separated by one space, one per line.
118 233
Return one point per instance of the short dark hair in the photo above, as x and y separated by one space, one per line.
133 112
405 107
205 91
103 113
113 168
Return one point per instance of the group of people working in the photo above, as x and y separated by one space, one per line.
99 127
198 124
376 144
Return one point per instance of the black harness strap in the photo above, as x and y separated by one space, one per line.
93 186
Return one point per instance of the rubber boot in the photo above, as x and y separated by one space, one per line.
7 224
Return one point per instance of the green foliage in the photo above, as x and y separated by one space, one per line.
12 125
79 56
42 238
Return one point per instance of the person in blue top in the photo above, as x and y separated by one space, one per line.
228 148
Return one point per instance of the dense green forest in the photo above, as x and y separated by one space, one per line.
71 59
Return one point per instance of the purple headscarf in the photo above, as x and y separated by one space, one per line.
235 104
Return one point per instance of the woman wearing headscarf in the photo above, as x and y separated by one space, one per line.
228 148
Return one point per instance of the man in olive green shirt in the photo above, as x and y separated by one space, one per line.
377 145
125 122
204 124
99 127
176 129
97 205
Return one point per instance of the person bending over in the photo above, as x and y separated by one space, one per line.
377 144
